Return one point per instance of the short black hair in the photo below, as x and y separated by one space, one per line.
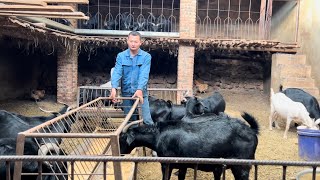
135 33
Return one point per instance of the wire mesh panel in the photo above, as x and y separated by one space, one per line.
233 19
137 15
91 129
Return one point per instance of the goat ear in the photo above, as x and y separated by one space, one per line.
317 121
130 138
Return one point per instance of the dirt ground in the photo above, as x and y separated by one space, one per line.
271 145
28 107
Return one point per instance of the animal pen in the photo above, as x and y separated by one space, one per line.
92 129
87 137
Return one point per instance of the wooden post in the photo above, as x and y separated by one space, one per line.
262 19
115 148
297 21
19 151
268 19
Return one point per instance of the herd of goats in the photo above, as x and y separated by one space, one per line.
126 21
192 129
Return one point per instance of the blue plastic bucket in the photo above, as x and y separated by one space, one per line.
309 144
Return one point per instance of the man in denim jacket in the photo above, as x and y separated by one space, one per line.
133 66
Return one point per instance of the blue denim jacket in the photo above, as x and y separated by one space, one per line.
134 72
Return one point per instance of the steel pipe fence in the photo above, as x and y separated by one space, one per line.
91 129
235 19
218 19
174 95
232 19
138 15
72 160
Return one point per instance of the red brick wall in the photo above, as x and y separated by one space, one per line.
67 75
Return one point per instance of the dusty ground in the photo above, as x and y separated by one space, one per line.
271 145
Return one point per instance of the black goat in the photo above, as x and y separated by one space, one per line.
217 137
8 147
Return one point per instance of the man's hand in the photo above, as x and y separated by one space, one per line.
139 95
113 95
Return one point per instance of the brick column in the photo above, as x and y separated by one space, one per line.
67 78
188 9
185 67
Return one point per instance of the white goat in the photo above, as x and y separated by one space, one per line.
283 107
108 84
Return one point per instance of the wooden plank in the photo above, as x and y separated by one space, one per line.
47 15
37 8
68 1
26 2
39 24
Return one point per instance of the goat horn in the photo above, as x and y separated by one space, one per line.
45 148
125 129
43 110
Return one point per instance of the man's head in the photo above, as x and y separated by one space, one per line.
134 40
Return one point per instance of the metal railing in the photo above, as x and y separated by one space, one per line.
73 160
89 93
138 15
91 129
228 19
234 19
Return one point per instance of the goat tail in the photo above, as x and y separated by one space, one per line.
252 121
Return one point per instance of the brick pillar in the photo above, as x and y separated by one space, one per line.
185 67
67 78
188 11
